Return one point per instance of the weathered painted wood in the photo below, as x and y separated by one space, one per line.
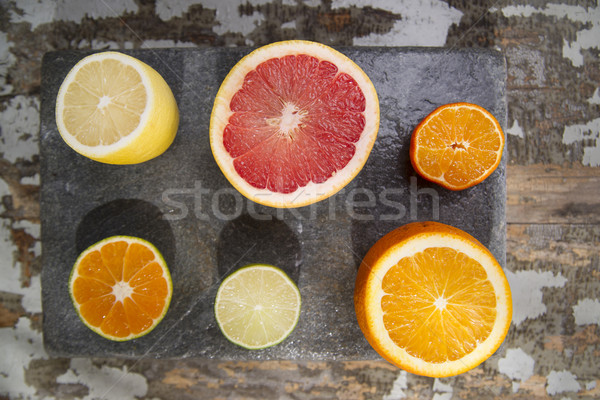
552 194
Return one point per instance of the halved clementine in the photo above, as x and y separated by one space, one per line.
457 146
293 122
121 287
432 300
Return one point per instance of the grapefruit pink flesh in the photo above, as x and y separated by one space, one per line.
296 119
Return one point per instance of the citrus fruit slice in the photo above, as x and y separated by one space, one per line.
432 300
257 306
116 109
457 146
121 287
293 122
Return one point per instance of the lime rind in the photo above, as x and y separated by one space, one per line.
285 278
160 260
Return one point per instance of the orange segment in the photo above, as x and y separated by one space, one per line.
152 305
137 257
112 258
432 300
85 289
137 318
457 146
92 266
96 309
115 324
121 287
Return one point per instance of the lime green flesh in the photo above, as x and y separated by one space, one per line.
257 306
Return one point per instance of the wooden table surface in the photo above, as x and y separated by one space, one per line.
553 191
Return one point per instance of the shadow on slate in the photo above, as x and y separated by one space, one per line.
129 217
247 240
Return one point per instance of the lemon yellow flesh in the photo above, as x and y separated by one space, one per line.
104 103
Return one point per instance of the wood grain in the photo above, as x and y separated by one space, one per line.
542 194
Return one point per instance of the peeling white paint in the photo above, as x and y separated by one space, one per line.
35 12
398 388
587 132
31 180
560 382
19 128
527 66
18 346
76 10
587 311
7 60
168 9
516 130
526 288
97 44
586 38
105 382
38 12
289 25
595 99
517 365
443 390
10 270
227 13
32 295
425 25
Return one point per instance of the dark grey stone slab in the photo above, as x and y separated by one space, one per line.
181 202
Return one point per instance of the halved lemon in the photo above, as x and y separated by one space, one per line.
114 108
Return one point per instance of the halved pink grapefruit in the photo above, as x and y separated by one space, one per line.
293 123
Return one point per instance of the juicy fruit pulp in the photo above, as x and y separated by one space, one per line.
432 300
257 306
121 287
458 145
295 120
293 123
432 318
104 103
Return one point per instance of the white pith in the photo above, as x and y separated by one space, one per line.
289 121
122 290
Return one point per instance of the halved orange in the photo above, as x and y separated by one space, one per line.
293 122
457 146
432 300
121 287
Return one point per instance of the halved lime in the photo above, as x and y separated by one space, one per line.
257 306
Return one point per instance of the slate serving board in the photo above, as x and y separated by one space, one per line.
182 203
